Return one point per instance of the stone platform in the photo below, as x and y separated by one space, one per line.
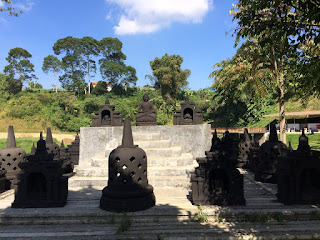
171 153
173 217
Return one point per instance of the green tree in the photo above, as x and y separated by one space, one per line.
52 64
9 86
112 66
170 78
7 8
73 77
100 88
19 65
89 48
279 27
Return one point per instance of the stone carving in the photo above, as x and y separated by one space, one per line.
74 148
188 114
11 156
40 183
3 179
106 116
217 181
298 175
128 189
67 164
52 147
266 166
146 114
253 155
244 150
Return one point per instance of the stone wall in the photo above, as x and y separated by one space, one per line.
95 142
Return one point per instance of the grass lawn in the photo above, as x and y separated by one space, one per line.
24 143
314 141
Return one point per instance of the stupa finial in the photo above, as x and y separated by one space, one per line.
246 134
107 101
11 140
49 139
273 133
127 139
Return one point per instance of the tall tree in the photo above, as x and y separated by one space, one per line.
170 78
52 64
7 8
112 66
277 26
73 77
89 48
19 65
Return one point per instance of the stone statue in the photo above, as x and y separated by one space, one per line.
146 113
188 114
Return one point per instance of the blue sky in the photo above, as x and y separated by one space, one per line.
194 29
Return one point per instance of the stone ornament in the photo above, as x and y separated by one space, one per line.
40 183
128 189
146 114
188 114
10 157
73 150
217 181
67 164
266 166
244 150
3 179
106 116
52 147
298 175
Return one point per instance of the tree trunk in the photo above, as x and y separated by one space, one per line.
283 136
89 87
55 81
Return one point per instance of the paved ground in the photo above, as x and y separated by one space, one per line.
172 218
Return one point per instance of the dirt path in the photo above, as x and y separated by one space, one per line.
67 138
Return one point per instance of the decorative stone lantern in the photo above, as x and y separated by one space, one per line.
74 149
244 150
40 183
106 116
188 114
52 147
128 189
146 114
266 166
298 175
217 181
11 156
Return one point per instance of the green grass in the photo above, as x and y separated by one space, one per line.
24 143
314 140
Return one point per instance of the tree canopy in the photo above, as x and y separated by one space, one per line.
169 77
8 8
52 64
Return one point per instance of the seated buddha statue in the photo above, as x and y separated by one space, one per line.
146 113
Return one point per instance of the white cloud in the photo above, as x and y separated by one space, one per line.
1 4
147 16
25 7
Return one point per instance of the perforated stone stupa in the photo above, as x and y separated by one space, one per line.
188 114
266 166
128 189
11 156
52 147
73 150
2 179
106 116
40 183
217 181
298 175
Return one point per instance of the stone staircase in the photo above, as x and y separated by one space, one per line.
168 164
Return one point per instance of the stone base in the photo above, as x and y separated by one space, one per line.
146 123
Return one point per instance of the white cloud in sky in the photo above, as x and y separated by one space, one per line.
27 6
147 16
1 4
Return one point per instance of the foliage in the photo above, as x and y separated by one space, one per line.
51 64
19 65
112 66
9 9
170 78
9 86
125 224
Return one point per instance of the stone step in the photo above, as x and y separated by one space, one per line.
156 181
182 160
152 171
144 136
153 144
163 152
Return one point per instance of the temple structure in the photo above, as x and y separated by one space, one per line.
146 114
67 164
128 189
52 147
266 166
188 114
40 183
106 116
11 156
217 181
73 150
298 175
244 150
